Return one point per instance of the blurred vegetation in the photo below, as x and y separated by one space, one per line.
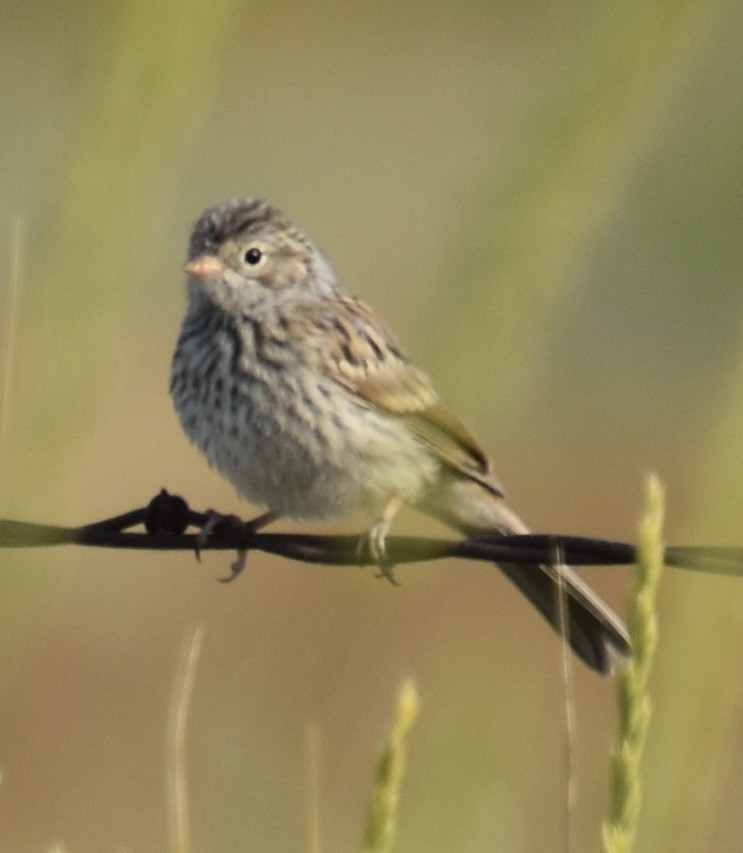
147 71
601 105
381 819
545 202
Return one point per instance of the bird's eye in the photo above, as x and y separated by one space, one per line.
253 256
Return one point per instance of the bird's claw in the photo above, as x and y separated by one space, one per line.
236 568
387 570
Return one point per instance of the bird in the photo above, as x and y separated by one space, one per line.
299 395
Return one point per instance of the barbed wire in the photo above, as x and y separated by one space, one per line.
166 519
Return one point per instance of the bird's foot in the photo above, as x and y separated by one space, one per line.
373 544
216 522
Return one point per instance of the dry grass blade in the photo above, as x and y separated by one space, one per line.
178 822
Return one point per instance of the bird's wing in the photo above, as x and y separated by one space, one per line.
363 357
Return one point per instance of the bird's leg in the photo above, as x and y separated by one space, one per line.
261 521
373 541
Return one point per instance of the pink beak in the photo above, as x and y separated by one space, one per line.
204 266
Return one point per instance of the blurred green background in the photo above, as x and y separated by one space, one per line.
545 201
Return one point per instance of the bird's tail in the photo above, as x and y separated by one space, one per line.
595 633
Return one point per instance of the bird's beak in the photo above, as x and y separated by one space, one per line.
204 266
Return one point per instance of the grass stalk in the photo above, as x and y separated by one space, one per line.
381 821
620 826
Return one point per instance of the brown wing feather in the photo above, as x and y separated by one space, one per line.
437 428
363 356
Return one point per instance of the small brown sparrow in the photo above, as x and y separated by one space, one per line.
299 395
